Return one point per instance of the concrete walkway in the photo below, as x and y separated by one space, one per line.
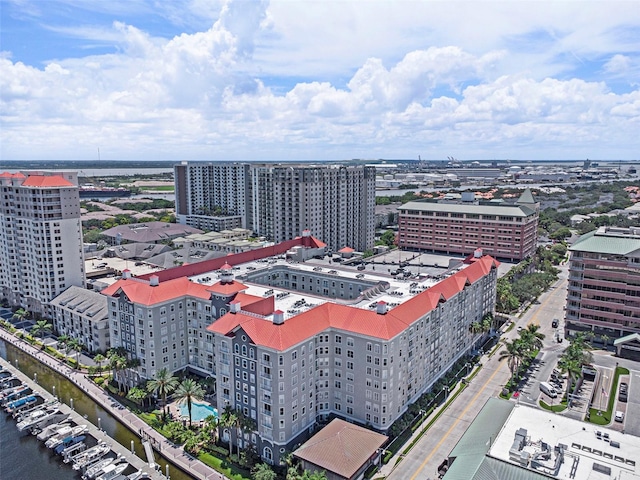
171 452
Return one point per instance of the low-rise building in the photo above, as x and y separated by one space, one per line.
82 314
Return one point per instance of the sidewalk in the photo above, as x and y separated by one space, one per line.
175 455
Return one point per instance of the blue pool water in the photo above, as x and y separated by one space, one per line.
199 411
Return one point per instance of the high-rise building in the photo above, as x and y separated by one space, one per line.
40 237
335 202
604 290
502 230
212 194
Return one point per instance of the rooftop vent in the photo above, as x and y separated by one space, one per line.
381 308
154 280
278 317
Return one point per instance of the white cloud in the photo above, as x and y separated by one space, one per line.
384 80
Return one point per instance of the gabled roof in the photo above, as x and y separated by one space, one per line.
46 181
341 447
299 328
139 291
346 250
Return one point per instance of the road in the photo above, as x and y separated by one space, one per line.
424 458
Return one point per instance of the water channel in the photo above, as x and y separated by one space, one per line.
25 457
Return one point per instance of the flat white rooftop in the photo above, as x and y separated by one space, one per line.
589 452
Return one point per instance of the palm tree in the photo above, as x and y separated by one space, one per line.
74 345
188 391
244 423
513 354
163 384
40 328
531 337
21 314
605 339
99 358
573 368
228 420
117 362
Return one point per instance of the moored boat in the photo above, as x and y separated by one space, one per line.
112 471
37 416
28 400
51 430
58 439
70 445
97 468
89 456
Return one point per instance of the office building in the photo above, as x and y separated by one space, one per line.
40 237
603 292
335 202
504 231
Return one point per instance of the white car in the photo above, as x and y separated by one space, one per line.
619 417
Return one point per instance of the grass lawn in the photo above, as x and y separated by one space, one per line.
161 188
554 408
223 467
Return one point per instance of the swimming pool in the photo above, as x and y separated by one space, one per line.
199 411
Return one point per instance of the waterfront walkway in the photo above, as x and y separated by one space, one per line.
171 452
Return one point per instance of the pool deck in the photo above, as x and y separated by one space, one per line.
174 410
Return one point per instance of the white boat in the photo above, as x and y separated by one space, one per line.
138 475
89 456
62 429
112 471
57 439
37 416
54 420
97 468
21 414
52 430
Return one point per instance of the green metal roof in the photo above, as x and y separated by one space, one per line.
484 209
471 460
614 245
627 338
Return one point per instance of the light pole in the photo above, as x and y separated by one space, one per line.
445 389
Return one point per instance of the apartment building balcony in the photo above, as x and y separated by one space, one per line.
266 386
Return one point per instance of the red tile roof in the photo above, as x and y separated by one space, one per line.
341 448
46 181
11 175
346 250
139 291
352 319
227 288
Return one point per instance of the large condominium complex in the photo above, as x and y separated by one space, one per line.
291 344
335 202
213 195
40 237
505 231
604 283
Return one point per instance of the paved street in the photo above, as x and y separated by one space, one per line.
425 457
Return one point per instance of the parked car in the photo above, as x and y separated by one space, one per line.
619 416
623 392
555 323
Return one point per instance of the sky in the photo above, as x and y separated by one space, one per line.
319 80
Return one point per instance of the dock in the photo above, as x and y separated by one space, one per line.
136 462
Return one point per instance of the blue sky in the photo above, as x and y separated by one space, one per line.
319 80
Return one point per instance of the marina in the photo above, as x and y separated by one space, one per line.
69 442
96 408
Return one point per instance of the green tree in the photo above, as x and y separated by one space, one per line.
513 354
137 394
117 362
74 345
41 328
605 339
21 314
163 384
263 471
229 420
532 338
187 392
99 358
